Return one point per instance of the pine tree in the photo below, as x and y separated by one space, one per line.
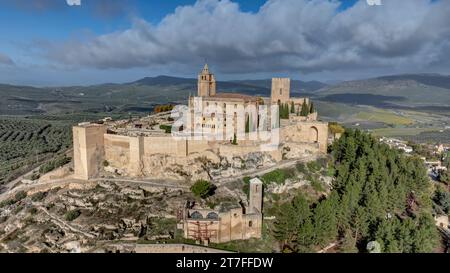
425 236
348 243
325 222
293 225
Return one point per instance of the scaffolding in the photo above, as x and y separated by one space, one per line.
201 231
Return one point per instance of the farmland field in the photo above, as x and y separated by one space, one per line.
385 117
25 143
400 132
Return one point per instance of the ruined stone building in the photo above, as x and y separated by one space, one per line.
143 151
229 224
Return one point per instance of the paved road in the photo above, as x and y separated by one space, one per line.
257 172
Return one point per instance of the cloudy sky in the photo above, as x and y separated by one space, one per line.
67 42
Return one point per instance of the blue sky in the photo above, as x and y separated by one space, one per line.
21 23
48 42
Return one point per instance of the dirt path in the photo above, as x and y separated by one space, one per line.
63 224
64 182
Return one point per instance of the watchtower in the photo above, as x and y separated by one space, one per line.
281 89
88 149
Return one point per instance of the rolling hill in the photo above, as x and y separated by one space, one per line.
138 95
421 91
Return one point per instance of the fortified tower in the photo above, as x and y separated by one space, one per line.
88 149
281 89
255 199
206 83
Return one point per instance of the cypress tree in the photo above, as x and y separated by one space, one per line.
311 108
247 124
305 109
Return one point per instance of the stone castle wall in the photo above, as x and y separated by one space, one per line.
117 150
312 132
135 155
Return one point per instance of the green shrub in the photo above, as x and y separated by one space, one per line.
301 167
330 171
166 128
316 185
8 202
35 176
72 215
203 189
105 163
322 162
18 209
275 197
32 210
313 166
20 195
38 196
278 176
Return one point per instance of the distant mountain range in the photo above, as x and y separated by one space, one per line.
410 90
264 84
414 90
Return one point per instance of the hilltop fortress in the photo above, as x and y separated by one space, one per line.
222 131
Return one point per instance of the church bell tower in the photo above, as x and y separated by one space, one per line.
206 83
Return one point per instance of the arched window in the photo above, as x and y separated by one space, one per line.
196 215
212 215
250 223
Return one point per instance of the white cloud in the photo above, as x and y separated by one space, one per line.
73 2
284 35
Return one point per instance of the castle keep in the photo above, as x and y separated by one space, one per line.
138 151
